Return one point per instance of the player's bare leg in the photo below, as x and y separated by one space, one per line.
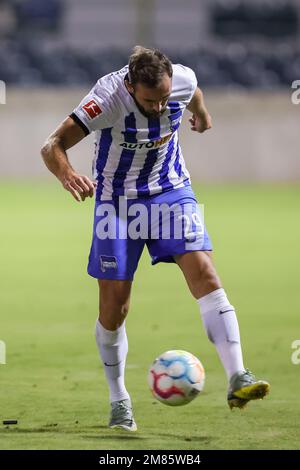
111 338
199 272
114 298
221 325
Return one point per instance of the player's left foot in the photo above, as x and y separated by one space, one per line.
243 387
122 416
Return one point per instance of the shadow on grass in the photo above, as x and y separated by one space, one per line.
104 433
109 434
187 438
120 437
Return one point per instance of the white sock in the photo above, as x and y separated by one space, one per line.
113 348
222 329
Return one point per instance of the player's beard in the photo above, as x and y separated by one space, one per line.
149 114
154 114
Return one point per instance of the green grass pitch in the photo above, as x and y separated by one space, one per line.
53 382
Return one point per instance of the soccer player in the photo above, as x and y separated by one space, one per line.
135 113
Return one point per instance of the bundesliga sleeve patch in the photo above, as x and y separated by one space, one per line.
92 109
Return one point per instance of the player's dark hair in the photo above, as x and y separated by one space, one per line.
148 66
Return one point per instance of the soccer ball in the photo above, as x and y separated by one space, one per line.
176 377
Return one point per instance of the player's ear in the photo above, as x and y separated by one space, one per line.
129 86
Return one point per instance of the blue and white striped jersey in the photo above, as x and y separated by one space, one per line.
135 155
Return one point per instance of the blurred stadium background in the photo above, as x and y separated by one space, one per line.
246 54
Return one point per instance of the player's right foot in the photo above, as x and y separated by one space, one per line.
243 387
121 416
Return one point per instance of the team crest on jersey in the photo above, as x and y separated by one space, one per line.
92 109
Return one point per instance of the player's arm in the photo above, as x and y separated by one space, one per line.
201 119
54 153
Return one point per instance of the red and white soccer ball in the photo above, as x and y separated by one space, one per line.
176 377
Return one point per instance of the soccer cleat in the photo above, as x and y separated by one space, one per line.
121 416
243 387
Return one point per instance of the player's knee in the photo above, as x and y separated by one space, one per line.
117 302
114 308
116 292
114 303
124 309
211 283
205 282
112 317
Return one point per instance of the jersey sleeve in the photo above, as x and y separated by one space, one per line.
185 84
192 83
98 109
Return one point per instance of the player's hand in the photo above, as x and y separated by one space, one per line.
200 123
79 186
